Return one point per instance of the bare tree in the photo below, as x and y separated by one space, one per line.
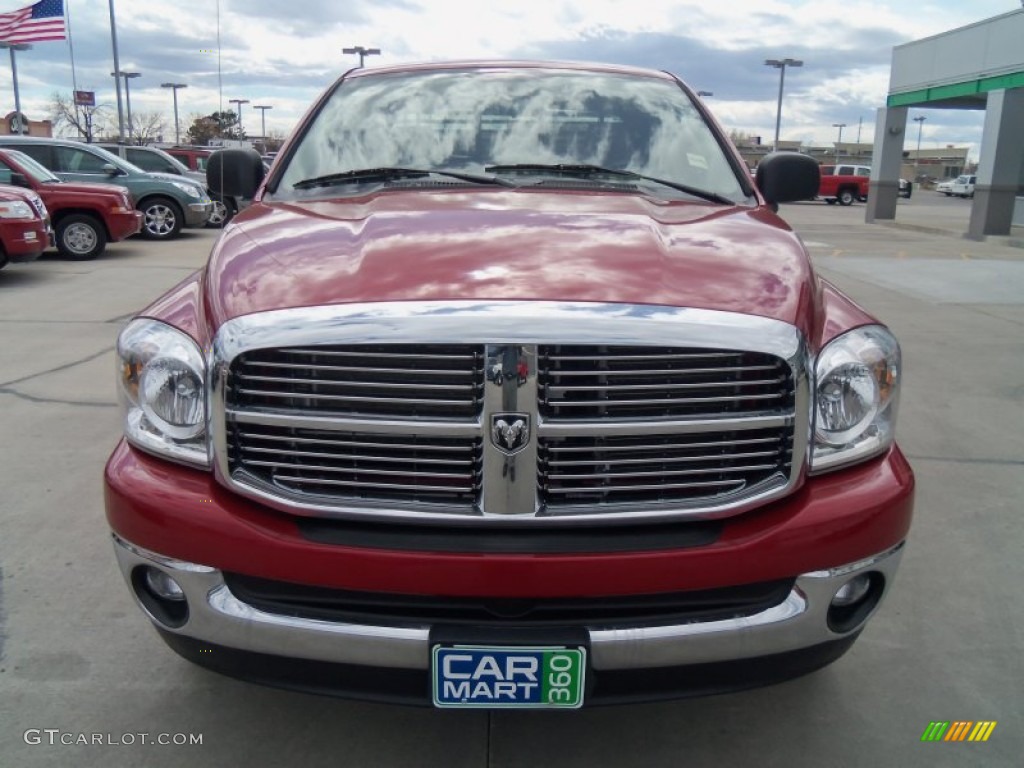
65 114
148 127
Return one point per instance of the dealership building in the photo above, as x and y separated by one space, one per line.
978 67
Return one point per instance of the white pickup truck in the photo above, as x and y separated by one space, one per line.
961 186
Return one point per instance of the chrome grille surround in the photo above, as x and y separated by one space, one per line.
517 489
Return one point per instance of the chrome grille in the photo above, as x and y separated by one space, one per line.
403 381
660 467
393 411
612 382
358 466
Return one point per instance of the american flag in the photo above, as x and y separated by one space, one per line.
34 24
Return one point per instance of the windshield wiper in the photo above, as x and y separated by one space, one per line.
583 169
360 175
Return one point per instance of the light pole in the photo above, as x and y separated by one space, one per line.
175 87
781 64
117 68
22 128
839 141
239 102
127 96
363 52
263 123
917 157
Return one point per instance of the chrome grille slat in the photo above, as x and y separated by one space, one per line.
360 369
343 443
662 473
348 398
733 484
353 471
382 355
664 400
362 384
667 371
661 459
559 391
658 447
341 457
363 484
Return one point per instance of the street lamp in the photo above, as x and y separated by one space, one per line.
127 96
263 122
781 64
239 102
917 157
839 141
363 52
175 86
22 128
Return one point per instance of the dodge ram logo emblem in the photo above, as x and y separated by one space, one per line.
510 432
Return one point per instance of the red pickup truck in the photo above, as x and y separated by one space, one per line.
85 216
509 390
844 183
24 225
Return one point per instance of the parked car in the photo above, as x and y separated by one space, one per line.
509 375
157 160
24 225
906 188
963 186
85 216
844 184
945 187
167 202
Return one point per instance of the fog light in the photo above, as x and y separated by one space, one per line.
161 596
163 585
853 591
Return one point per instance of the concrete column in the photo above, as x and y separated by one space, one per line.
884 187
999 170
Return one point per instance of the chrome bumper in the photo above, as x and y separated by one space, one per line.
216 616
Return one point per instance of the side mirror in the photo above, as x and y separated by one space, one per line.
19 180
234 172
784 177
110 169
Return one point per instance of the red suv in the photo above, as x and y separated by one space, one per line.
24 225
509 389
85 216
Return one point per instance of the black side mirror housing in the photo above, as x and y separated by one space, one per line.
235 172
19 180
784 177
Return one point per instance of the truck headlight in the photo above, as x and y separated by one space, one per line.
16 209
857 382
162 383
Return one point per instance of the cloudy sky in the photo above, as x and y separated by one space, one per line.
284 52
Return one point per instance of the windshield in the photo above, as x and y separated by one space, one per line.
488 121
32 167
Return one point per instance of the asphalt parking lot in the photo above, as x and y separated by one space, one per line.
77 658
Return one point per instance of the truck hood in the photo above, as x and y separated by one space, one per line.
85 188
509 245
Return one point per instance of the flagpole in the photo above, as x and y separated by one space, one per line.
74 75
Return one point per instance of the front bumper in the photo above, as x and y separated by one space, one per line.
790 638
124 223
196 214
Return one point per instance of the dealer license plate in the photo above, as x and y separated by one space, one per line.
467 676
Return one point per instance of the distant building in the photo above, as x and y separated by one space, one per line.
12 121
